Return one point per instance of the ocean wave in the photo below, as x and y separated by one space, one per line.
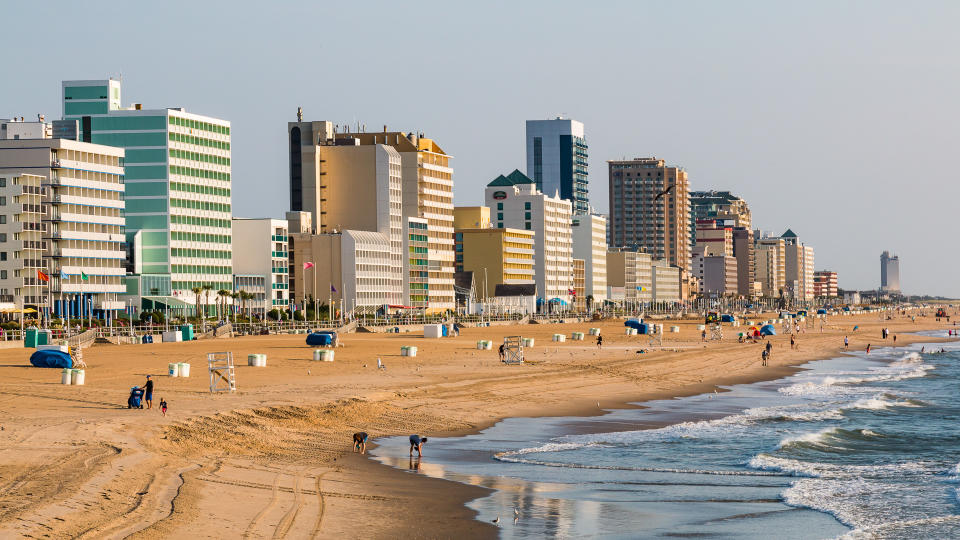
512 457
836 385
816 469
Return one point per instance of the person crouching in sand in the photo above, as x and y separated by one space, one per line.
360 442
416 442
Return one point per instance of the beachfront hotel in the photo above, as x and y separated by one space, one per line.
744 251
716 273
61 213
178 191
798 267
426 192
345 185
495 256
629 276
650 208
516 203
770 265
825 284
589 233
719 206
260 266
557 160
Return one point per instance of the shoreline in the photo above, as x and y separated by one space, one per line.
580 410
275 455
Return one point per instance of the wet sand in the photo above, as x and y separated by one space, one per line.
274 458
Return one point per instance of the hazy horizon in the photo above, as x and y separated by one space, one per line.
833 120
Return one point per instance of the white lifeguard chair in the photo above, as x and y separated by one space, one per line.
222 378
513 350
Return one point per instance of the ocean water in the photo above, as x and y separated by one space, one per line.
853 447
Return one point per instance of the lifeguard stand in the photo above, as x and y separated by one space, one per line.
716 332
513 350
222 377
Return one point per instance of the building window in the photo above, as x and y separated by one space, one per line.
3 274
499 225
3 237
3 255
527 225
538 161
499 206
526 205
500 216
527 216
3 182
3 220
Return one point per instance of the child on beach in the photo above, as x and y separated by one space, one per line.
163 406
846 342
360 442
417 442
599 342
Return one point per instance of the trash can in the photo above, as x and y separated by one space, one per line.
30 338
187 331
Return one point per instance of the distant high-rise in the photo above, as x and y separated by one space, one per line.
798 266
557 160
650 209
718 206
889 272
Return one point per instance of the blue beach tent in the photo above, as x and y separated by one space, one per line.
821 311
51 359
727 318
768 330
320 339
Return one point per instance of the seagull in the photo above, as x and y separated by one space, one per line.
308 372
598 406
664 192
516 512
498 519
380 364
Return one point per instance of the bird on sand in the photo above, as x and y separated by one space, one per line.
664 192
498 519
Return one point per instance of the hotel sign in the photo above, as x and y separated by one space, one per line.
499 195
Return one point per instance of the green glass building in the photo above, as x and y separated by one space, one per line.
178 191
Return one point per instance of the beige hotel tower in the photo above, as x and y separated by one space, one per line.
324 186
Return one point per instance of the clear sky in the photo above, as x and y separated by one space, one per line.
835 119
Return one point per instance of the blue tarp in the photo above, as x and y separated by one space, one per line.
320 339
633 323
51 359
727 318
768 330
821 312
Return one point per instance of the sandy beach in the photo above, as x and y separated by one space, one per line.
274 459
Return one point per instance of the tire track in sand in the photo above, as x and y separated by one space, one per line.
283 527
273 501
315 533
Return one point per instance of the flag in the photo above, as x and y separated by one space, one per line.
307 265
42 277
63 275
332 288
84 277
572 292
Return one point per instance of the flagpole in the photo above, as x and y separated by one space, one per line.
330 305
316 309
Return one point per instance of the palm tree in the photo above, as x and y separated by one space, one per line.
245 296
196 296
235 296
206 299
222 295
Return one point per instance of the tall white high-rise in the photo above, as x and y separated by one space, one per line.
889 272
515 203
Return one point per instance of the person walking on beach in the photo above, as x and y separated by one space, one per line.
163 406
763 357
416 442
703 335
502 353
148 392
894 338
793 342
360 442
599 341
769 348
868 348
846 342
